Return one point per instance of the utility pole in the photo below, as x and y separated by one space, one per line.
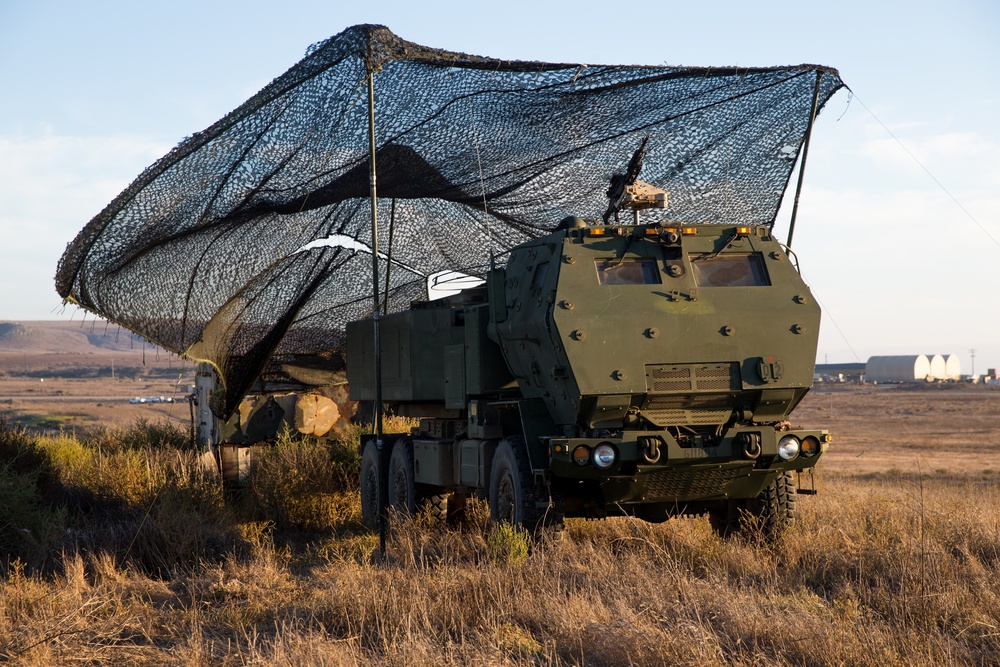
972 352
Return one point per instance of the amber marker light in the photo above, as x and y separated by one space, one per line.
689 231
743 231
596 231
810 446
581 455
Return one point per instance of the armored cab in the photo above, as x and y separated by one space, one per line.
607 369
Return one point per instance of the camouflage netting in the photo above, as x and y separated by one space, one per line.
249 243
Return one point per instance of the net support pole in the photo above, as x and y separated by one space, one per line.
388 258
376 312
805 154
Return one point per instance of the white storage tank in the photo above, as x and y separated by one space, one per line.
902 368
953 367
939 369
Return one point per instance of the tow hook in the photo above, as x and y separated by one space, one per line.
650 448
751 445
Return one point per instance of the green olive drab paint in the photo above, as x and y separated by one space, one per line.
647 370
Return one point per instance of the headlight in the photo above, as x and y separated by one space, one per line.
605 456
788 447
581 455
810 446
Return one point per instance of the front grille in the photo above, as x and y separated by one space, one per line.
714 378
690 484
666 378
661 378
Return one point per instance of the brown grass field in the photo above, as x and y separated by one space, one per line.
121 550
73 376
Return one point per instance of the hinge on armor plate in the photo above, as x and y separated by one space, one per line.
677 295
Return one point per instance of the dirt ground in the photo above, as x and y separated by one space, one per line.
51 404
941 430
46 401
74 376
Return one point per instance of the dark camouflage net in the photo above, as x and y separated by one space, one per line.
208 252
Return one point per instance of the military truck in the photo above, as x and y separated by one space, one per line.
607 369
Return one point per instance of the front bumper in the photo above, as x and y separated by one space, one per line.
740 465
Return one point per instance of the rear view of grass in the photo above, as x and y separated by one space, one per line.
122 549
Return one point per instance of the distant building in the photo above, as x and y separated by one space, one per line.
902 368
914 368
953 367
839 372
938 367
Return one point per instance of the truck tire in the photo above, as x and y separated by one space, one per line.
436 507
406 495
767 514
514 496
372 483
402 487
455 510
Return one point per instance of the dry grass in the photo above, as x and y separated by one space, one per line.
52 404
887 569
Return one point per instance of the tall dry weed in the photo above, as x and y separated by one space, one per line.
305 483
890 570
132 495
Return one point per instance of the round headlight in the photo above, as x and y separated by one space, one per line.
810 446
788 447
605 456
581 455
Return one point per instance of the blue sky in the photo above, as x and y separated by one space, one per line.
95 92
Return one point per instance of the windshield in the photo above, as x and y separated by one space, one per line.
729 270
627 271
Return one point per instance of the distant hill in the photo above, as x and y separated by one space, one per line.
58 337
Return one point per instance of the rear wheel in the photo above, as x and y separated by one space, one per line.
436 507
767 514
408 496
372 483
402 487
455 510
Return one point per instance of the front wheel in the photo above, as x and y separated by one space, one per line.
514 496
767 514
